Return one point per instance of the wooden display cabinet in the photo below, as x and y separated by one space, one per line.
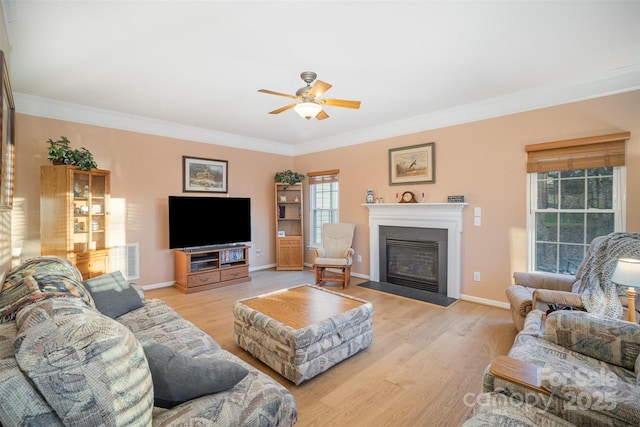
208 268
74 216
289 226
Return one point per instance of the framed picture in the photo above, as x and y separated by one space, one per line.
204 175
7 137
412 165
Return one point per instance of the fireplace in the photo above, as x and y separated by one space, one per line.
414 257
444 217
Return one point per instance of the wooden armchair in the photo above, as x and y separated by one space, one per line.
333 260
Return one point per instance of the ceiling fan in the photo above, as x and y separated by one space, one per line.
308 98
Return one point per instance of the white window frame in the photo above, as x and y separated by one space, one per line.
619 204
312 208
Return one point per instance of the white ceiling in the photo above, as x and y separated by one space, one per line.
191 69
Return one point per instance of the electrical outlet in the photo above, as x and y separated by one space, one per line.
476 276
359 258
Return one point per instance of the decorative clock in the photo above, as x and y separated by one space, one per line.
408 197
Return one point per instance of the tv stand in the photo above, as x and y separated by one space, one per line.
200 269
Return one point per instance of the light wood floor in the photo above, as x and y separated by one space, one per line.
423 360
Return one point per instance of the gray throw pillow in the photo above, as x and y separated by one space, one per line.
113 295
178 378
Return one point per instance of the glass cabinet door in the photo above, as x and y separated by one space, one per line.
98 212
81 224
89 210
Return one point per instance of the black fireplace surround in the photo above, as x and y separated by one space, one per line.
414 257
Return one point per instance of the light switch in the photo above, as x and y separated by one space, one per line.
477 212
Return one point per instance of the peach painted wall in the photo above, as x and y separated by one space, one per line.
484 161
145 169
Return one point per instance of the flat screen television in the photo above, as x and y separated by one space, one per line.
208 221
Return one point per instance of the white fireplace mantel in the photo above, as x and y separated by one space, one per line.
421 215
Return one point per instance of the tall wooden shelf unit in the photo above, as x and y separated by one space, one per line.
74 216
207 268
289 225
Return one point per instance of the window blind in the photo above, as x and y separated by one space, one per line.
323 177
581 153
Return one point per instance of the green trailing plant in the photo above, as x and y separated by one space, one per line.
84 159
289 177
60 153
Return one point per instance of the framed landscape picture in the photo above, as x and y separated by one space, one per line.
204 175
412 165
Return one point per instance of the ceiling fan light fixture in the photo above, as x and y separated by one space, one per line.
308 110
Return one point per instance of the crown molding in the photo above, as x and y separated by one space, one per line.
618 81
67 111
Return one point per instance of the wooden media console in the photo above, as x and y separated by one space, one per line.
208 268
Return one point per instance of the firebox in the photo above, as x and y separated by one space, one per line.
414 257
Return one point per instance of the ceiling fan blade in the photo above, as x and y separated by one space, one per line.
341 103
322 115
319 87
270 92
281 109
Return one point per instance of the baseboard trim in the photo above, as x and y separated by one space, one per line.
484 301
262 267
158 285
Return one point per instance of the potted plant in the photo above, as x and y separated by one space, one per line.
60 153
289 177
84 159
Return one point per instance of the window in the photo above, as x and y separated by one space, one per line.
575 194
323 192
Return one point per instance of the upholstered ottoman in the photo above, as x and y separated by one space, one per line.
302 331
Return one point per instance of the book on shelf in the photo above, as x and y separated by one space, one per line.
232 255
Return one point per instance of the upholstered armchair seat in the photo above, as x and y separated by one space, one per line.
333 261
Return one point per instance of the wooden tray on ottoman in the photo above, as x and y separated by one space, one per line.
302 331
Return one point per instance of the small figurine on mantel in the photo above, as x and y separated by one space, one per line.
369 195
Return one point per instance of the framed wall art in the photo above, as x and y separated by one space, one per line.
7 137
412 165
204 175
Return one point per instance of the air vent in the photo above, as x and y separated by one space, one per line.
126 259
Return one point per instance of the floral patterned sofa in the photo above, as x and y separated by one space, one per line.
590 365
96 353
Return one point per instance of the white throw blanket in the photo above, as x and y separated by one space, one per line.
599 295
